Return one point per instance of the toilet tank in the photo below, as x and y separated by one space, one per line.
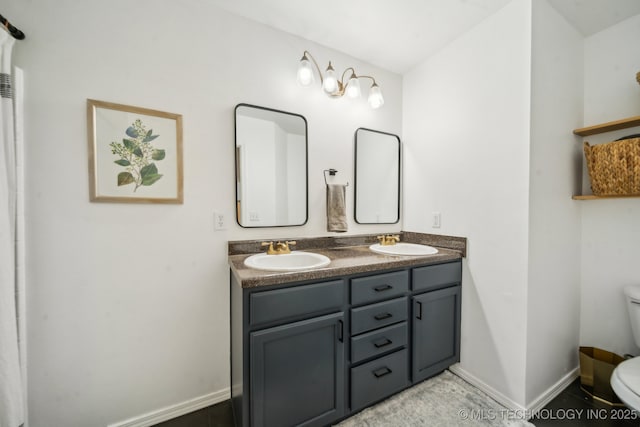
632 295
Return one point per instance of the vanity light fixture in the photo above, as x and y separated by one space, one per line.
335 87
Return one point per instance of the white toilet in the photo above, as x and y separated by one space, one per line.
625 380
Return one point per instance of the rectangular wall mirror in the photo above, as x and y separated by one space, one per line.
271 167
377 170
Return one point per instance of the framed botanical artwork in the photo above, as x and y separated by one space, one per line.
135 154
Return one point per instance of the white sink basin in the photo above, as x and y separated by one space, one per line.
402 248
294 261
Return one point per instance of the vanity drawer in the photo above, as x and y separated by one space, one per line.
378 379
378 342
437 276
378 287
377 315
296 302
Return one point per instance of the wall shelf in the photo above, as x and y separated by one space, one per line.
609 126
602 128
592 197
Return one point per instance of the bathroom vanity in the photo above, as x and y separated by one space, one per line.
313 347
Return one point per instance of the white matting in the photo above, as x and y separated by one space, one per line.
446 400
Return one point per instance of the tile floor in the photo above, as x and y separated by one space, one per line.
219 415
572 407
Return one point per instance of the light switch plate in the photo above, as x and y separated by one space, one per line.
435 219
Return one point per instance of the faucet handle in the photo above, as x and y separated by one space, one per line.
270 250
382 239
290 243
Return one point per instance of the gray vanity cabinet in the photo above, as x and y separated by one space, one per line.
296 373
288 354
436 318
378 337
312 353
436 332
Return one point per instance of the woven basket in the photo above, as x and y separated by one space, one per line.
614 167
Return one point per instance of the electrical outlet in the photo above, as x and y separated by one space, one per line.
435 223
220 221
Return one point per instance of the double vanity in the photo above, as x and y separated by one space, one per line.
324 327
312 344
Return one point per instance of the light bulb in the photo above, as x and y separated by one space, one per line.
353 87
305 72
330 84
375 97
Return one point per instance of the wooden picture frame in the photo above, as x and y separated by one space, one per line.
135 154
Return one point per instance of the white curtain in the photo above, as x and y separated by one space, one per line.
12 413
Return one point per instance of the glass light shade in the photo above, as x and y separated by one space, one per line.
305 73
330 84
353 87
375 97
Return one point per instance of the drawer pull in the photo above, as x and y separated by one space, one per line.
382 288
383 343
381 372
383 316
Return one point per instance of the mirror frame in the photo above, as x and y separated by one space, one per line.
355 172
306 163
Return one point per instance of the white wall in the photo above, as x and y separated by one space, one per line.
553 296
610 228
128 304
466 141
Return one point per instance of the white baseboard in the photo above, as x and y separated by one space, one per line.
539 403
169 412
493 393
546 397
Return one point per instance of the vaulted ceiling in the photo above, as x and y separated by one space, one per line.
396 35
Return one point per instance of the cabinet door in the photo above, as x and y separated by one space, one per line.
297 373
436 332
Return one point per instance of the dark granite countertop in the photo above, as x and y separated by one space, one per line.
345 260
